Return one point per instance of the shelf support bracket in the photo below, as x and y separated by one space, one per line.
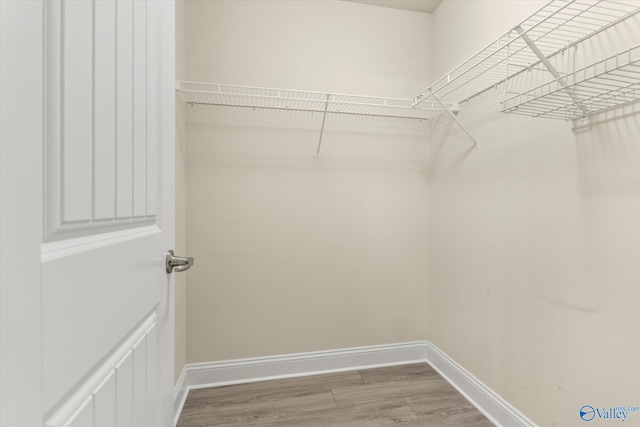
455 119
551 69
324 118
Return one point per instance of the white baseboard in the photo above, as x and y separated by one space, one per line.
214 374
201 375
494 407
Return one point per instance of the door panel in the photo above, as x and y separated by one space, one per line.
104 111
86 212
124 95
84 318
76 102
106 309
139 42
121 390
102 116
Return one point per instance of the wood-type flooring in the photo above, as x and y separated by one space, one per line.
407 395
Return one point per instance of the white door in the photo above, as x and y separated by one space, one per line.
86 212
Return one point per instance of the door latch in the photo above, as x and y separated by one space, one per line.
178 264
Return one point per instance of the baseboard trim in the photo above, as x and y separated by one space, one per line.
214 374
239 371
494 407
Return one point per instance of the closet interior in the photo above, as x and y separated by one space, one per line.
491 212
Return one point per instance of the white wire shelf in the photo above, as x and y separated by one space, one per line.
558 25
199 93
607 83
196 93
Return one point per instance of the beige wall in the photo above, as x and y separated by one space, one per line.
532 242
181 230
535 240
323 46
295 253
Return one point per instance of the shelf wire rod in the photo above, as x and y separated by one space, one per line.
529 115
573 26
588 89
594 22
549 66
346 113
624 9
601 11
618 91
594 79
324 118
596 99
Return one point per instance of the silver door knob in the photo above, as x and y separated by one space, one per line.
178 264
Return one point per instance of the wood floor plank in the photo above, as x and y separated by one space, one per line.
407 396
255 410
377 414
447 407
397 373
283 388
212 420
353 395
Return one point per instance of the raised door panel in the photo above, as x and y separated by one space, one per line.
77 110
118 393
139 155
101 140
152 111
124 95
85 317
124 392
104 402
83 417
105 111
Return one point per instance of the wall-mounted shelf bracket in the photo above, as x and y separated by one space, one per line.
552 70
324 118
452 113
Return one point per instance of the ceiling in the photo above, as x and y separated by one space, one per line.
424 6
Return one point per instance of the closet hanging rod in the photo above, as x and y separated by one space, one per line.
346 113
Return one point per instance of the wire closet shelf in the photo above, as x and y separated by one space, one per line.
197 93
607 83
553 29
